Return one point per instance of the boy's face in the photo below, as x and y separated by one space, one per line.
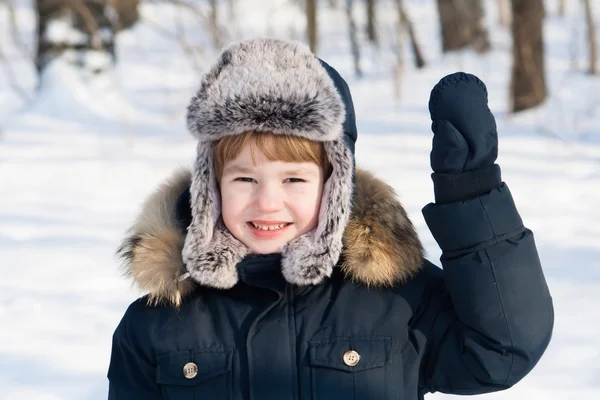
267 204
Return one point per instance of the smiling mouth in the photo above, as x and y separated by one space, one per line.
269 226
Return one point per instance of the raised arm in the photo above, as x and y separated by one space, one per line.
495 316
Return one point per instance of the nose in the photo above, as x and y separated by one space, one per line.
269 198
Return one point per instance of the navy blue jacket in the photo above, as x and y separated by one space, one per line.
479 325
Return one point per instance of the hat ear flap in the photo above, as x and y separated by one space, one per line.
310 258
210 252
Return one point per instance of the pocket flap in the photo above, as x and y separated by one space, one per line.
208 363
373 352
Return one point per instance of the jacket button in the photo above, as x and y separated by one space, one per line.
351 358
190 370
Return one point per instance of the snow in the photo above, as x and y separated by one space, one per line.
77 161
60 30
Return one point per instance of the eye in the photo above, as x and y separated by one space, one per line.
244 179
295 180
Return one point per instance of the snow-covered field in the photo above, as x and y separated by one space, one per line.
76 162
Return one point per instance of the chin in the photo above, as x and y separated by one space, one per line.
266 249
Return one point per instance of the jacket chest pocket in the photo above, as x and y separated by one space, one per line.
195 375
351 368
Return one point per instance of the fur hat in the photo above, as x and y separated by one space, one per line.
268 85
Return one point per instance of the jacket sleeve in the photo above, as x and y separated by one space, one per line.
494 315
132 372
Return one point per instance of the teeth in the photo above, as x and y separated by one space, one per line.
268 228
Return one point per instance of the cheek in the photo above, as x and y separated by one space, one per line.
308 204
232 204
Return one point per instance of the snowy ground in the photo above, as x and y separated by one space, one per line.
76 162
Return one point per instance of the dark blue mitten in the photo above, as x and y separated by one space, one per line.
465 140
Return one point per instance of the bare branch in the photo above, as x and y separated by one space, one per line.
90 23
206 18
353 38
214 25
311 24
117 24
191 51
414 44
371 22
399 68
12 78
504 12
562 6
14 31
203 18
591 32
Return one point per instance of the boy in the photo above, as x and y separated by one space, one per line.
285 273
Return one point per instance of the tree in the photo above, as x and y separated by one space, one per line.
479 35
371 22
353 38
311 24
84 29
562 5
406 23
127 13
591 33
504 12
462 25
454 30
213 24
404 27
528 83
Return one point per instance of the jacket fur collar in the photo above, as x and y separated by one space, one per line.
380 244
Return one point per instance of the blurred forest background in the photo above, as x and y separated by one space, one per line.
85 31
93 97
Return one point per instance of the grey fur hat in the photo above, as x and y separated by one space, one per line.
280 87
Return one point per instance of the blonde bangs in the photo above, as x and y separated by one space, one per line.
283 148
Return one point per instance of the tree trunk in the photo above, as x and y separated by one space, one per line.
400 66
311 24
85 27
591 33
528 83
455 25
405 21
353 38
479 34
127 13
504 12
215 31
371 22
462 25
562 6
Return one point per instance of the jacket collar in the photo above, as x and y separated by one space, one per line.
380 244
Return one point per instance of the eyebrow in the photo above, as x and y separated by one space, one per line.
238 169
299 171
